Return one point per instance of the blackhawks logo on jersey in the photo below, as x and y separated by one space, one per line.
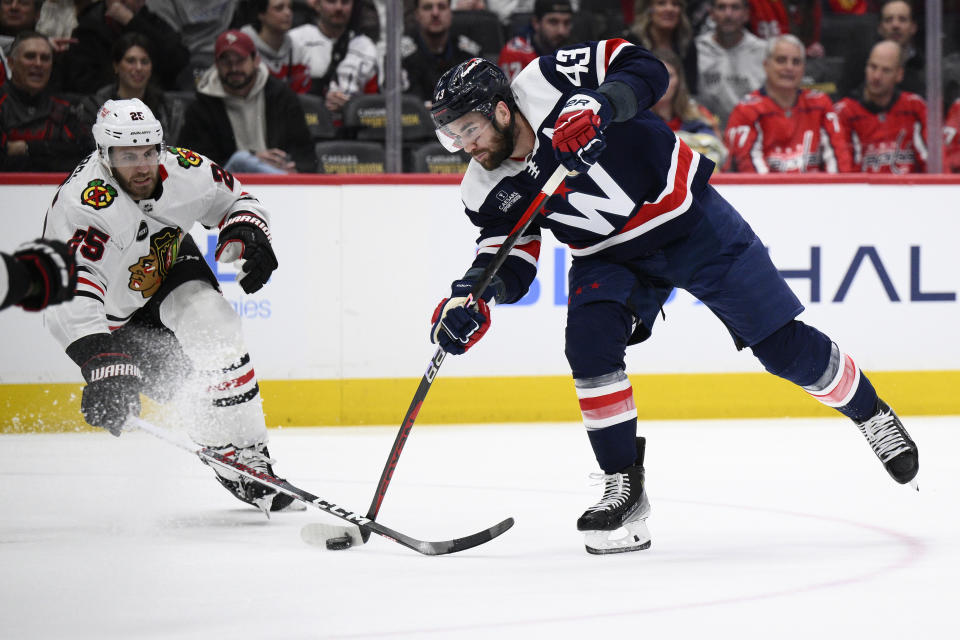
186 158
148 273
98 194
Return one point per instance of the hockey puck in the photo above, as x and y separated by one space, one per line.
338 544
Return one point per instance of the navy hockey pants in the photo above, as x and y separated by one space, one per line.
723 263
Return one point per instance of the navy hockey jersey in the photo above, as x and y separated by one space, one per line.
641 194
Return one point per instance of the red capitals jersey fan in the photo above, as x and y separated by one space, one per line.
891 140
515 55
764 137
768 18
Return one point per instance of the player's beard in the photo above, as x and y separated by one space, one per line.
135 191
501 146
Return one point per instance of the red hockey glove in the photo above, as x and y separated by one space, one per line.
457 327
578 138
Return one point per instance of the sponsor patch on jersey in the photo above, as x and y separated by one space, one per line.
142 231
98 194
186 158
507 200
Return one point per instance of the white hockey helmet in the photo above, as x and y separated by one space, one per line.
126 123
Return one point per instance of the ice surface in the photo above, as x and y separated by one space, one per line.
761 529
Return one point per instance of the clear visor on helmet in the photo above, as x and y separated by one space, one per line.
134 156
463 131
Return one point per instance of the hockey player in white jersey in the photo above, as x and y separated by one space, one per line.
148 315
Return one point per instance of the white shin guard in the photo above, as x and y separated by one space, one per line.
220 404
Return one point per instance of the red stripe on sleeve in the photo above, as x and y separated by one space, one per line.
91 284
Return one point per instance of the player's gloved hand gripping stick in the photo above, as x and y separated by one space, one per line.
533 210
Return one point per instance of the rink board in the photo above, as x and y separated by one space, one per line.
339 336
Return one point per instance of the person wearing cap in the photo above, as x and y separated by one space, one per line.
245 119
89 65
549 29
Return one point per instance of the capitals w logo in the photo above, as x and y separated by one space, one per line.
614 201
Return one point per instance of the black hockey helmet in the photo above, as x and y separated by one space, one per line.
474 85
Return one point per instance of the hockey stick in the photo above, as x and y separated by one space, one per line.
211 457
533 210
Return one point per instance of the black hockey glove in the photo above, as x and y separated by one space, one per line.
457 327
42 272
112 392
246 236
578 138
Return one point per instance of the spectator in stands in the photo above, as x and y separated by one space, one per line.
951 138
432 49
17 16
199 22
886 128
88 65
245 119
133 68
663 24
782 128
284 60
770 18
505 9
730 59
897 24
693 123
342 62
39 130
549 30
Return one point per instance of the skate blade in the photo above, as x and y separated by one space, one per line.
317 533
637 538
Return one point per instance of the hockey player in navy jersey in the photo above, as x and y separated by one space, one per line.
148 315
640 218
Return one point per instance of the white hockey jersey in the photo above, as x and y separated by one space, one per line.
125 248
357 69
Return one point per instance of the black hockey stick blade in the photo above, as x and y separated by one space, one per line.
320 534
211 457
433 367
429 548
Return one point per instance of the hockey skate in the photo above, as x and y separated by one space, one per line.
624 505
892 444
256 457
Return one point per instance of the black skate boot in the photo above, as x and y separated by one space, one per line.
892 444
256 457
624 504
